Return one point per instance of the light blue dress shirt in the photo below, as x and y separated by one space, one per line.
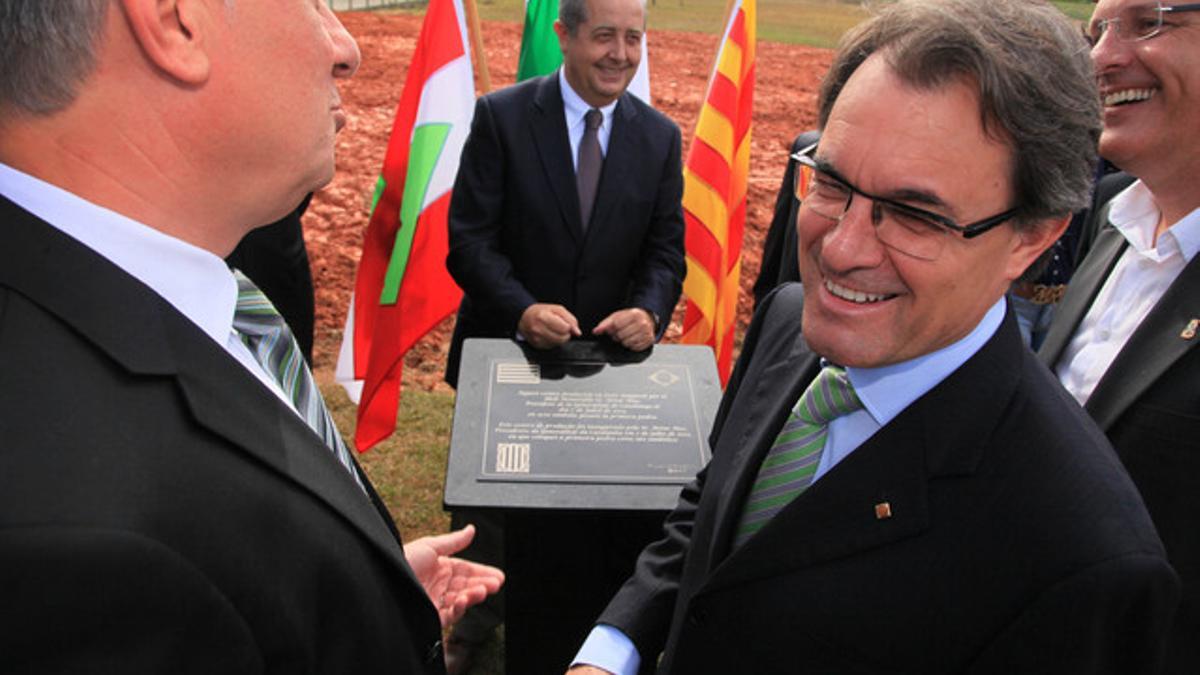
574 108
885 392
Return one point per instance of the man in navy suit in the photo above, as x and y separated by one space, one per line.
532 265
959 513
1123 340
169 503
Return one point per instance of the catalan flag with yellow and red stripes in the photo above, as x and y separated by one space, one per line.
715 176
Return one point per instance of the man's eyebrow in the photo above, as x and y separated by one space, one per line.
903 195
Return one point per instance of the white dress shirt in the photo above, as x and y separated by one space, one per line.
194 281
574 108
1144 272
885 392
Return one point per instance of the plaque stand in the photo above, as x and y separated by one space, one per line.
583 449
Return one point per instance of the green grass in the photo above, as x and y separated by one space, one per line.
409 468
817 23
1076 10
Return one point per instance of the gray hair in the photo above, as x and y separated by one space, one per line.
47 49
1036 85
573 13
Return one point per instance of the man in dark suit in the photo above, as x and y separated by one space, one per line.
544 256
169 503
896 484
529 262
1123 341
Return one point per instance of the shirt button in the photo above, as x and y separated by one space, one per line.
1104 333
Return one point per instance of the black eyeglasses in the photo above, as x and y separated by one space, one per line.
1133 24
908 229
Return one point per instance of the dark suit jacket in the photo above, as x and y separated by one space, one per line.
163 512
1016 543
1148 403
515 233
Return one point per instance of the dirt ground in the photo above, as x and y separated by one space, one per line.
787 79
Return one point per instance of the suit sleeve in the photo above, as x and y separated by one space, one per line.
658 278
85 600
1108 619
477 260
642 608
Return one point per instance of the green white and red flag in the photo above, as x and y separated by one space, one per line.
403 289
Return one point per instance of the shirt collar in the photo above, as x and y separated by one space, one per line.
575 107
1135 215
195 281
887 390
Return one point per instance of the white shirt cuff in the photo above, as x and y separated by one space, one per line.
608 648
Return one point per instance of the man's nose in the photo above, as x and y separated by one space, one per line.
347 56
851 241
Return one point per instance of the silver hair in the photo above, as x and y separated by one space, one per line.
47 49
573 13
1036 85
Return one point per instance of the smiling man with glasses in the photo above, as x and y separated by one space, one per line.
897 485
1123 340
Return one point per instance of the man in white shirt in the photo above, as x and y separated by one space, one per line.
959 513
1123 339
174 497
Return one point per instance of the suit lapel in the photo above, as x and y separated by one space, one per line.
262 426
618 161
1158 342
775 392
937 435
147 336
1084 286
548 126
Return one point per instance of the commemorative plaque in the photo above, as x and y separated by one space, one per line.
586 426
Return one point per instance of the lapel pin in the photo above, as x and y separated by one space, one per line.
1190 332
883 511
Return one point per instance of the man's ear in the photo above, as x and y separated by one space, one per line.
172 35
560 29
1031 242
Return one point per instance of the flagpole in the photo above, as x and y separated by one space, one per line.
481 69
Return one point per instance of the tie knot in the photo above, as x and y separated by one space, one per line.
254 315
593 118
828 397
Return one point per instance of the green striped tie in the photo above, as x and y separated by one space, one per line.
271 341
791 463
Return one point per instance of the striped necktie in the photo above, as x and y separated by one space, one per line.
791 463
274 347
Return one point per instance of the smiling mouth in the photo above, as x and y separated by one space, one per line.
857 297
1127 96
